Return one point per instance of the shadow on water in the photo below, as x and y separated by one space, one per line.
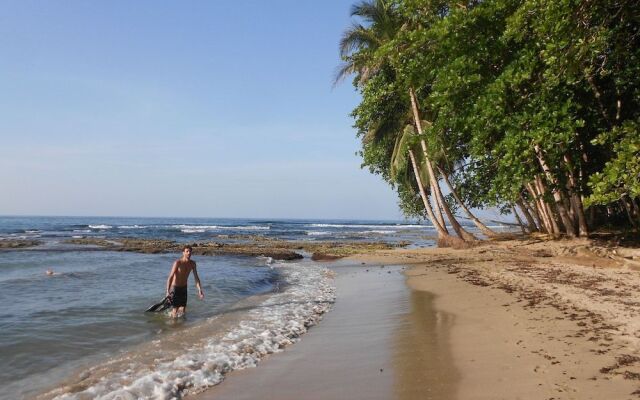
423 359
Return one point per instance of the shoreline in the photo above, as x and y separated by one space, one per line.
347 355
504 320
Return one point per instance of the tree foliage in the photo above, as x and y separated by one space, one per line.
530 101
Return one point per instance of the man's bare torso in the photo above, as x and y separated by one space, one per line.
183 269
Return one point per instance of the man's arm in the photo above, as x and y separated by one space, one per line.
197 278
172 275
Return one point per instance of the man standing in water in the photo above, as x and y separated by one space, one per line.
177 282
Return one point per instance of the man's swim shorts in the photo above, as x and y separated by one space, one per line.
178 296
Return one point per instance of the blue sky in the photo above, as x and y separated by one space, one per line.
194 109
158 108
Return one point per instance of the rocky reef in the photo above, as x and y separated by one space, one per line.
276 249
18 244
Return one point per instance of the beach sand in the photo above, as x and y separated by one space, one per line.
505 320
359 351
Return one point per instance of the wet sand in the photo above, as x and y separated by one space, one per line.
503 321
379 342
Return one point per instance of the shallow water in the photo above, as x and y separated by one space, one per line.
94 305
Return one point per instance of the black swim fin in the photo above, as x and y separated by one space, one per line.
161 306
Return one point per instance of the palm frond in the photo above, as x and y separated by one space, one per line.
385 127
400 151
342 72
357 37
367 10
378 15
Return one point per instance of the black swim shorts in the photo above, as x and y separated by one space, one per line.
178 296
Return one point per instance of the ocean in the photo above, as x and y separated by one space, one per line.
82 332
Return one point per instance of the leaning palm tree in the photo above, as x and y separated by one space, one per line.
400 173
358 49
405 145
445 169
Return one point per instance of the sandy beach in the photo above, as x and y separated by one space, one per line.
527 319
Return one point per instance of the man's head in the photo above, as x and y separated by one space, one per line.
186 251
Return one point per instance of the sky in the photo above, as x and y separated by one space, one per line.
168 108
181 109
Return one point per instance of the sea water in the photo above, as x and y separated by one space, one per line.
82 333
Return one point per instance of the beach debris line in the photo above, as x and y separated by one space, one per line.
599 293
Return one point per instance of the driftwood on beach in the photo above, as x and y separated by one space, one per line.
276 249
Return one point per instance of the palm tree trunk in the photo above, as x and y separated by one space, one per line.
444 239
483 228
437 206
557 195
438 210
464 235
442 233
460 231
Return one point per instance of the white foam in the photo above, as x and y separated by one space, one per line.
248 228
13 236
266 260
132 227
395 226
267 328
204 228
192 230
318 233
195 226
100 226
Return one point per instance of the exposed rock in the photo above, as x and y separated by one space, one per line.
18 244
324 257
274 248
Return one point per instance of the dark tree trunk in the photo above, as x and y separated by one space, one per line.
515 213
530 222
576 200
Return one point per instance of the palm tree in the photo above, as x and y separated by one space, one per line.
460 231
359 42
358 48
404 146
